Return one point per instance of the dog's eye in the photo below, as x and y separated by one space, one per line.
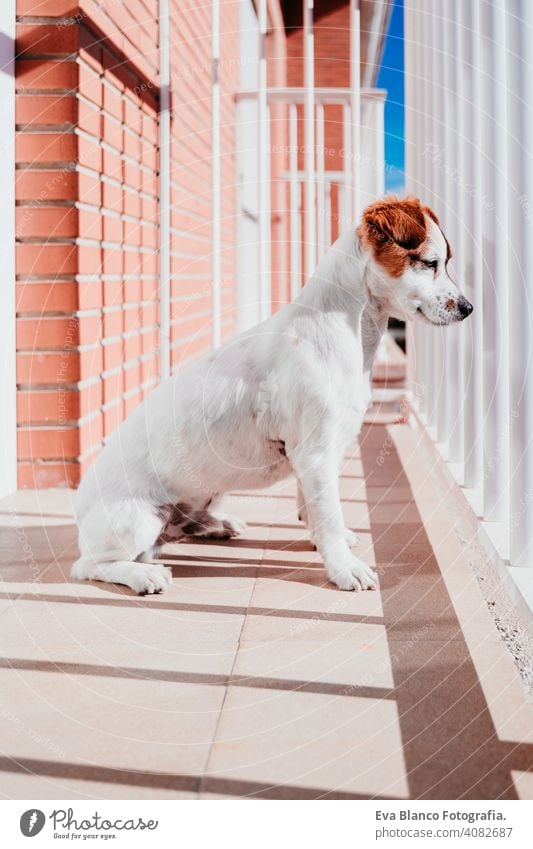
431 263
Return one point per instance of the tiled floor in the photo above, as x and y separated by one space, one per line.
253 676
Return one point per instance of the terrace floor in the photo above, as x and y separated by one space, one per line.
254 677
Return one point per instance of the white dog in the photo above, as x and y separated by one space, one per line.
286 397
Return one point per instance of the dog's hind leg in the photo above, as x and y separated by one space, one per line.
113 537
212 522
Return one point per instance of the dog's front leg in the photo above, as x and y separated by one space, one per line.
317 476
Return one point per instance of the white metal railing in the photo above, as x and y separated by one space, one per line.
469 144
359 180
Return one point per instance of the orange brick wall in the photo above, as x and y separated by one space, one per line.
87 227
191 256
87 215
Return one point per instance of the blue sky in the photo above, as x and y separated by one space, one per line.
390 77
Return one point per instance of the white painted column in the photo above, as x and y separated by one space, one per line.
433 199
410 64
355 107
294 203
216 274
473 282
346 210
320 184
433 155
519 19
496 286
421 128
309 139
164 192
263 170
8 377
446 400
454 228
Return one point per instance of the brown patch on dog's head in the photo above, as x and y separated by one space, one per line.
395 229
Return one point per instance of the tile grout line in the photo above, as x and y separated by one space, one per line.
230 673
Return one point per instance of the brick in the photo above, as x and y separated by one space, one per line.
46 38
46 185
48 368
46 147
90 224
46 109
47 333
47 297
113 386
47 8
46 74
47 444
46 260
112 418
113 229
91 433
112 324
91 398
90 190
89 119
46 221
49 405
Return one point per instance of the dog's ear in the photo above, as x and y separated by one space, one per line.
392 228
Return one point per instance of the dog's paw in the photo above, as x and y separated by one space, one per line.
355 575
351 538
224 527
150 580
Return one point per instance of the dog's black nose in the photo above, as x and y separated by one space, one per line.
464 306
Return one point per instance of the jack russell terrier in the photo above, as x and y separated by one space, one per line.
286 397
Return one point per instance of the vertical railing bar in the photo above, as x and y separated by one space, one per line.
216 271
263 188
294 202
474 423
346 215
495 266
320 181
519 15
164 192
355 106
309 138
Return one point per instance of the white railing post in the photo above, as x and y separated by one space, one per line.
411 124
474 425
454 339
520 278
215 171
294 203
309 138
263 169
496 283
164 192
320 178
432 182
355 107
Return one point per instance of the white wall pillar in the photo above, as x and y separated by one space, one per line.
473 280
309 139
164 192
355 107
263 169
496 287
519 18
216 276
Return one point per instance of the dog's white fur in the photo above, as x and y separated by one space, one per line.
286 397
